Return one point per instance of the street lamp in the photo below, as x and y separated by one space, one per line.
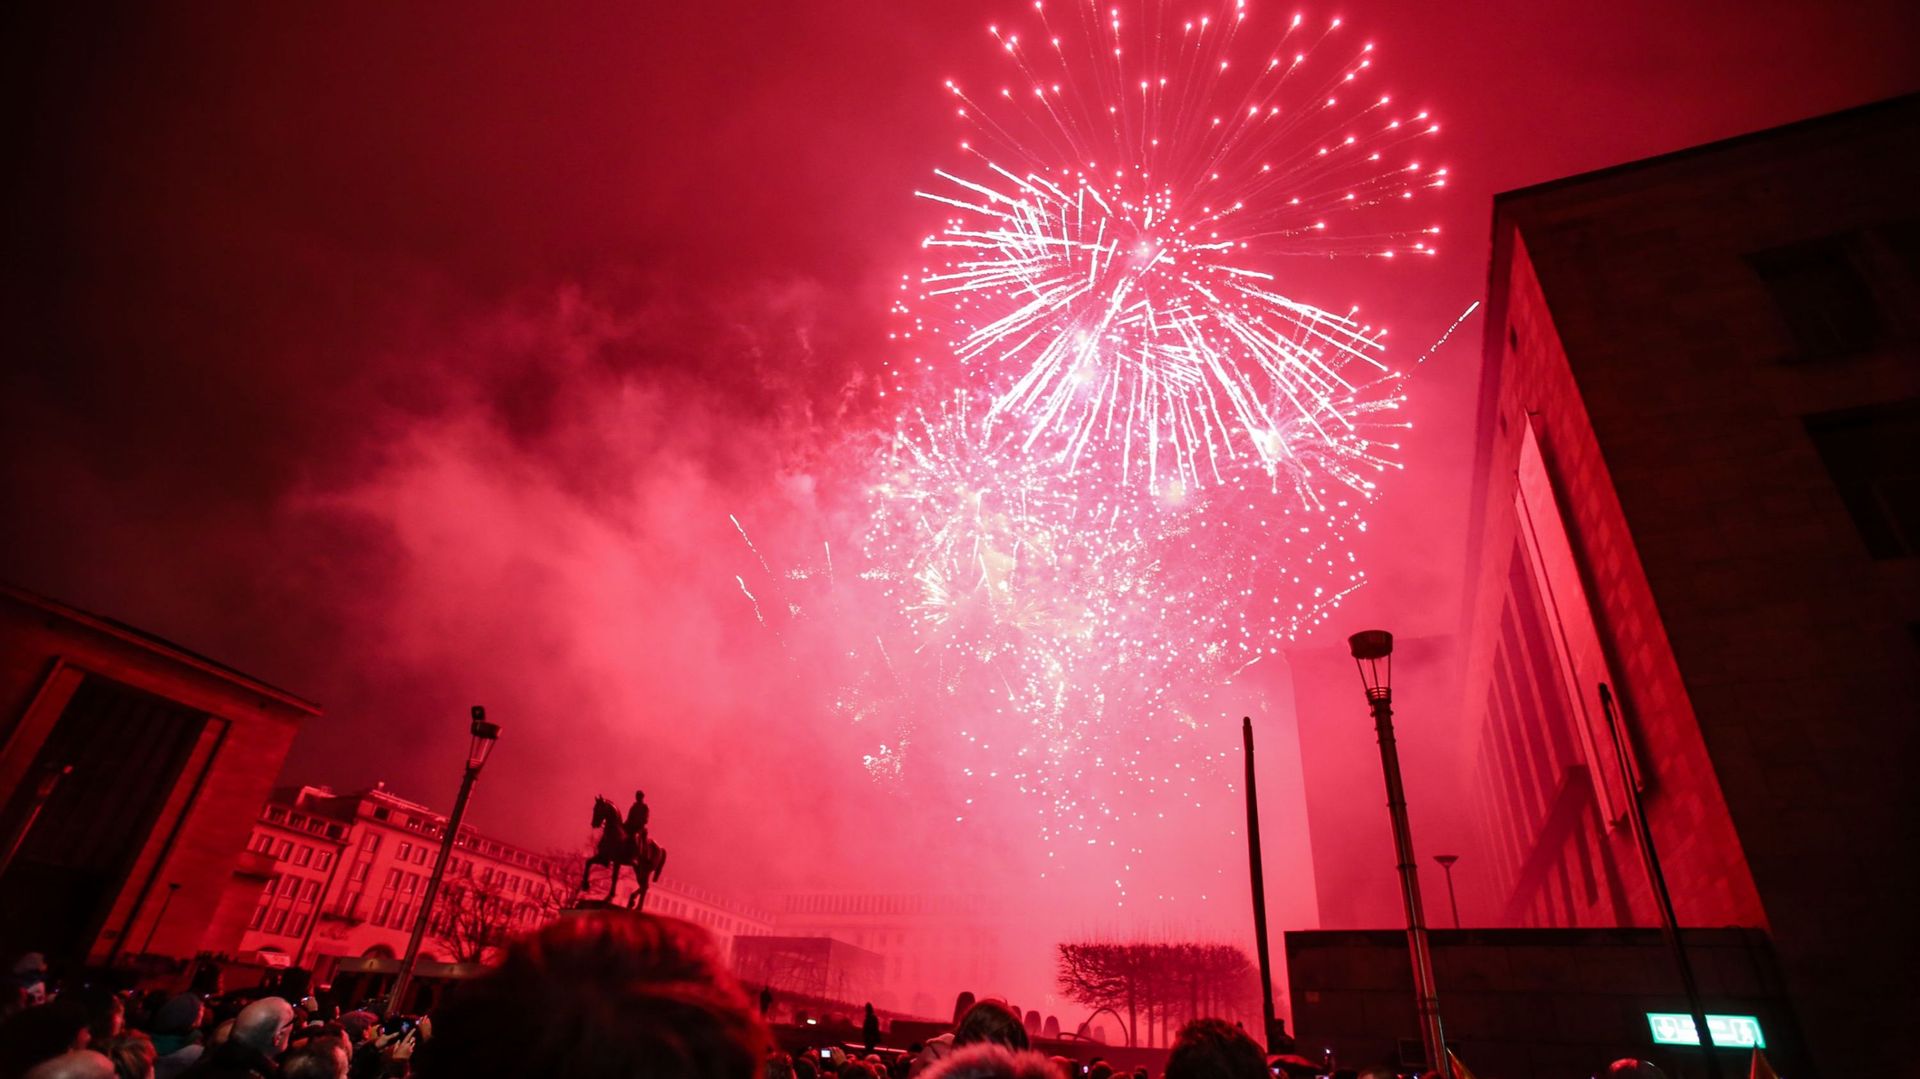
484 734
1446 862
1373 655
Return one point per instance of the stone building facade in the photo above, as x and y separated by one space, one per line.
1698 485
166 755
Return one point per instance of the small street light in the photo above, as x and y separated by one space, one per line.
484 734
1446 862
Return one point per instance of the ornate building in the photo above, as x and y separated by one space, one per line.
339 878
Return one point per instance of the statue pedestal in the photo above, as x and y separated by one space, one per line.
580 906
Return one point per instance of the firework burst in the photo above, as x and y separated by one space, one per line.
1114 272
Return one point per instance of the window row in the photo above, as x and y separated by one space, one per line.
278 920
286 850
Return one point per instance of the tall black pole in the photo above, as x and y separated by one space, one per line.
433 890
1259 890
1426 994
1650 858
44 782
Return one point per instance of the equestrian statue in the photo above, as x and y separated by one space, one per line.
624 842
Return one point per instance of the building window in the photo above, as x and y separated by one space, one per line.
259 915
1822 296
299 925
420 856
381 910
322 859
393 878
311 891
283 850
370 842
358 873
405 851
278 922
303 855
1873 455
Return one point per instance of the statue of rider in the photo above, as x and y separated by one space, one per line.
636 825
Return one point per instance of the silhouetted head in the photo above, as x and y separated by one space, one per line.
600 995
41 1032
639 796
78 1064
131 1053
1215 1049
990 1021
320 1059
264 1025
989 1061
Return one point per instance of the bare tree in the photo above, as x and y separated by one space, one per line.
1103 974
474 916
560 882
1162 984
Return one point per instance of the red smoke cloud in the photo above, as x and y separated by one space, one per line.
416 357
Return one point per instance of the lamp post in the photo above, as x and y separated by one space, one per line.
1373 655
173 887
484 735
1446 862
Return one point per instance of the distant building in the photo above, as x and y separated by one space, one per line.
340 877
169 754
943 941
725 917
1699 486
819 968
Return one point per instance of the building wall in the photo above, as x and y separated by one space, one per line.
46 651
1533 1003
1643 326
345 875
719 915
930 946
331 876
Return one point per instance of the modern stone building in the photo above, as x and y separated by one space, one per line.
166 756
1699 486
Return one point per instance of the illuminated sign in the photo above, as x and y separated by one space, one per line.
1727 1031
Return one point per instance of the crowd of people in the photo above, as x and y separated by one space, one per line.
598 995
88 1030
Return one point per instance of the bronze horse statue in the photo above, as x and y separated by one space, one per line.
616 848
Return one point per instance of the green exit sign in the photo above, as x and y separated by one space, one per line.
1727 1031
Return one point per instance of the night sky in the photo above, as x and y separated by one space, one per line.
411 356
